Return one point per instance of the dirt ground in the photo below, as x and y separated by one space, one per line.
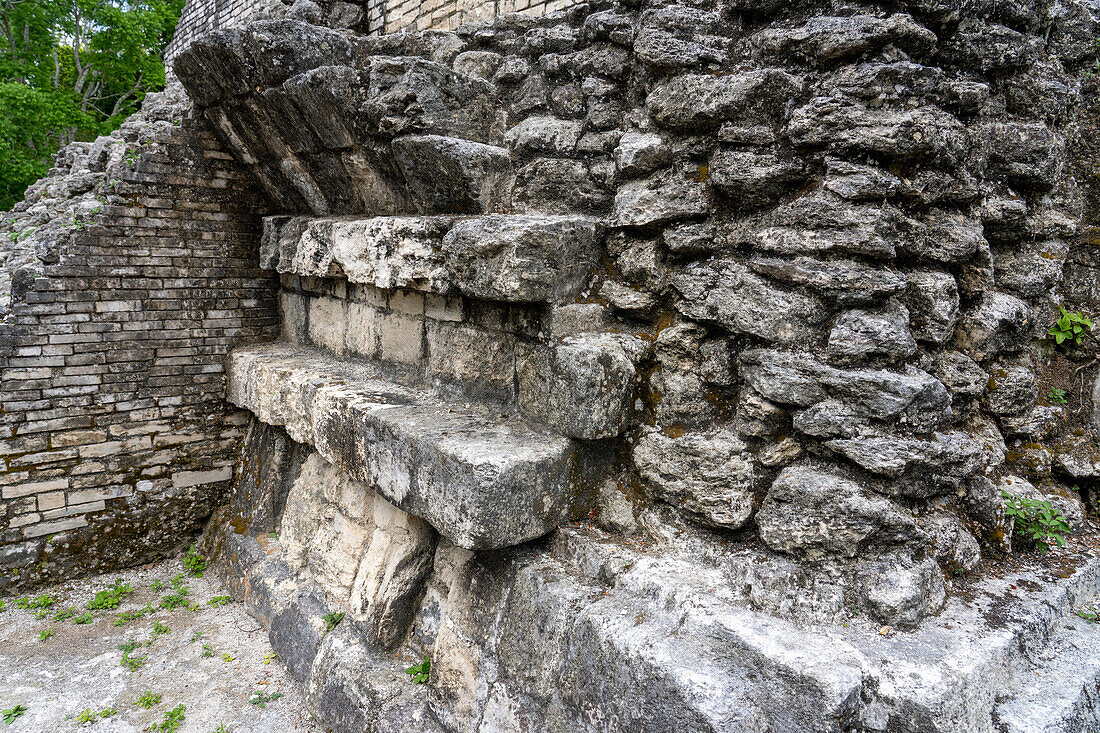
212 660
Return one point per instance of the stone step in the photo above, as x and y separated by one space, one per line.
1059 691
499 257
482 478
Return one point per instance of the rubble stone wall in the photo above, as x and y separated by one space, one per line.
132 275
681 326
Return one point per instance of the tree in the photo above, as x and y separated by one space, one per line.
72 70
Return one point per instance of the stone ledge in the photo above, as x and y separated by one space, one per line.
512 258
483 480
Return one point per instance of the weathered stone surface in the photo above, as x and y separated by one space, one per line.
582 386
522 258
727 292
700 101
1031 270
997 323
827 39
420 454
924 133
710 476
820 223
680 36
664 197
639 153
450 175
861 336
1024 155
962 376
920 468
1012 389
751 179
901 595
814 513
844 281
933 302
798 379
544 135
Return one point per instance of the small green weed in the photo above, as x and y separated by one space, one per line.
43 601
87 715
173 601
1056 396
219 601
420 671
2 604
173 719
194 562
227 657
1090 614
159 629
1071 326
1039 521
270 657
332 620
221 729
131 663
149 699
41 615
158 585
207 650
128 616
45 634
109 598
260 698
63 615
10 714
84 618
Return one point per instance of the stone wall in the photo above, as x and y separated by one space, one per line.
202 16
704 338
132 274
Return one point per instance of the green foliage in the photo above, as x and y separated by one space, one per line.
45 634
1040 522
420 671
43 601
207 650
194 562
219 601
130 662
221 729
260 698
1071 327
1056 396
332 620
1090 614
10 714
149 699
110 597
159 629
72 70
65 614
173 719
85 618
227 657
2 604
87 715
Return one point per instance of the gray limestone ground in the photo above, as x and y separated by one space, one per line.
80 666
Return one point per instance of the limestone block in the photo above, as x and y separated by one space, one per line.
700 101
582 386
814 513
708 475
864 336
450 175
482 480
933 302
400 338
328 322
483 362
522 258
843 281
728 293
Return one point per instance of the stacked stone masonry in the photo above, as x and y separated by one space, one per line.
776 282
647 366
133 277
